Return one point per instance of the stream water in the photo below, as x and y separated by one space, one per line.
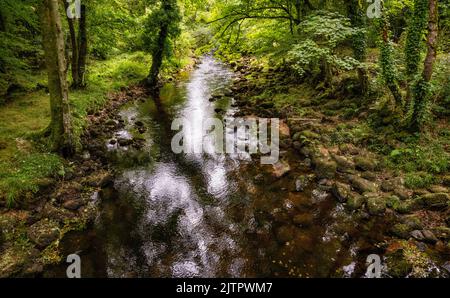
205 215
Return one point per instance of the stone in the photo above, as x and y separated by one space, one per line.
355 201
348 149
442 233
436 200
365 163
402 193
325 168
344 165
44 232
446 267
371 176
301 183
424 236
376 205
58 214
125 142
362 185
73 204
304 219
341 191
281 169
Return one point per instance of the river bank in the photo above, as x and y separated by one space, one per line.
416 240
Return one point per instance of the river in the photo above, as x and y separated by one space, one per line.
205 215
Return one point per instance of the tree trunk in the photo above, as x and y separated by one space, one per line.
60 128
82 46
422 91
74 47
157 57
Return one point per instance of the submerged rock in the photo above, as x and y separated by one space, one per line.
341 191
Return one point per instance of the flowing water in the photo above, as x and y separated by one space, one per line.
205 215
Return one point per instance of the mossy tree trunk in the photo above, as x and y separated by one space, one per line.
60 128
157 57
422 89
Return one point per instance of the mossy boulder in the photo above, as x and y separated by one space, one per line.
376 205
436 200
365 163
44 232
325 168
362 185
344 164
355 201
341 191
397 265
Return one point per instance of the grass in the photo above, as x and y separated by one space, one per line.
25 163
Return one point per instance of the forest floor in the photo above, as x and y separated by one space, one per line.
329 129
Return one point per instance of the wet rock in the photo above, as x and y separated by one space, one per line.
362 185
365 163
281 169
44 232
446 267
341 191
139 124
325 168
425 236
73 204
113 142
344 165
436 200
125 142
304 219
355 201
259 179
319 195
376 205
106 181
302 182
